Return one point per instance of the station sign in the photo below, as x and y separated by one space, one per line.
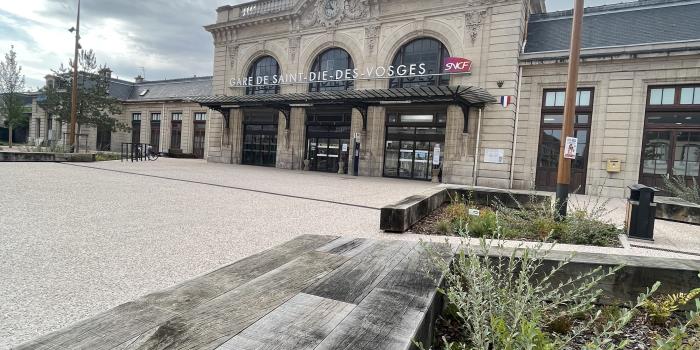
451 65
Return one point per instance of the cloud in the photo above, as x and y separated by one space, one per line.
164 37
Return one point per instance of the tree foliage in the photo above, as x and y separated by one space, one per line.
95 105
11 85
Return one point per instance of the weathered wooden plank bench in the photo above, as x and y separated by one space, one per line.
313 292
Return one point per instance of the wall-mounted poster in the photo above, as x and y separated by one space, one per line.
493 155
570 148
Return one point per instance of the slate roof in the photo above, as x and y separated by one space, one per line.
634 23
171 89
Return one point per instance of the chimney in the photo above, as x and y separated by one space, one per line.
50 80
106 73
138 79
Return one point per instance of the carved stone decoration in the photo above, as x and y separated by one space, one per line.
233 54
371 36
293 47
330 13
356 9
474 20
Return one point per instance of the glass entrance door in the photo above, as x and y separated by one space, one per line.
260 145
325 154
411 140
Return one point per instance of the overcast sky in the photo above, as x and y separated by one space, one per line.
165 38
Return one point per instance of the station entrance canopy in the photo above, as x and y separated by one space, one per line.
464 96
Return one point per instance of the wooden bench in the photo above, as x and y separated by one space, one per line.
313 292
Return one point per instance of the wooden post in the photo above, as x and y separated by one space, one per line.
564 166
74 92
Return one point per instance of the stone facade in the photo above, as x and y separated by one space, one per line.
169 97
620 82
488 32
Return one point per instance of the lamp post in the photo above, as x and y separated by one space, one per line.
74 92
564 166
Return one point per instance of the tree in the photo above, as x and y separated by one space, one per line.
11 84
95 105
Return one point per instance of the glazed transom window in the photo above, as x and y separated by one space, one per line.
200 116
265 66
428 51
331 61
557 98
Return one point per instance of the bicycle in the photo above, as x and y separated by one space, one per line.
150 153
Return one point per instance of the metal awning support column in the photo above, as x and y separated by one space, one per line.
362 108
286 111
465 114
225 112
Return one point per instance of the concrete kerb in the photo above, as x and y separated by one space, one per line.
676 272
6 156
676 209
400 216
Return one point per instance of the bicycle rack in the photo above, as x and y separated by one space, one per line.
133 151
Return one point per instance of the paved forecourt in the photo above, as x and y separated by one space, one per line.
78 241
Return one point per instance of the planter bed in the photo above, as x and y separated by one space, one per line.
676 209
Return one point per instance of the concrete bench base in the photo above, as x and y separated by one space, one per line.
400 216
676 209
45 157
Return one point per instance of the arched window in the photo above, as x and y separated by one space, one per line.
330 61
429 51
265 66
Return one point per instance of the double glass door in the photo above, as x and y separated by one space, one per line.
670 152
409 159
260 145
325 154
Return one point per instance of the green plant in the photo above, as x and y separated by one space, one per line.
678 338
483 225
678 187
506 301
444 226
101 156
660 309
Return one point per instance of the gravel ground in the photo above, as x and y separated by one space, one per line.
77 241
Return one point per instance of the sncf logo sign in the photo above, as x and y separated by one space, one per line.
458 65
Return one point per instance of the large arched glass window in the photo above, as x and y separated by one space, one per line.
265 66
429 51
330 61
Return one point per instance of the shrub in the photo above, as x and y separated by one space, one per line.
511 302
101 156
444 226
678 187
484 225
660 309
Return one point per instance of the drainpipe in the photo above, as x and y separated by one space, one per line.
162 130
515 131
476 151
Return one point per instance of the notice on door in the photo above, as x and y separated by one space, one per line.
570 148
436 155
345 147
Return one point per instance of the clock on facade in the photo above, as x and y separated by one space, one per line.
330 8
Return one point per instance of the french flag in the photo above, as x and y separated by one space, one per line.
506 100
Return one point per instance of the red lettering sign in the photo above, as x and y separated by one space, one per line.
457 65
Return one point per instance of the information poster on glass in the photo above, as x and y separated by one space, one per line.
436 155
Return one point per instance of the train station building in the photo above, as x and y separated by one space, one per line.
468 91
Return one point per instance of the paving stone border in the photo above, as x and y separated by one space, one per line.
45 157
400 216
